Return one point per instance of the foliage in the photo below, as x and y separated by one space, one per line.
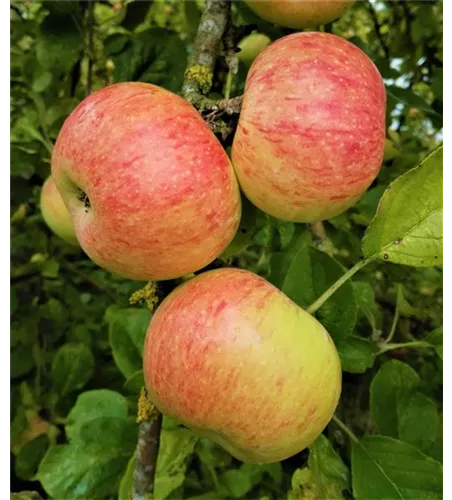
76 341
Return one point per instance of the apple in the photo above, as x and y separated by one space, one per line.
55 213
250 47
151 191
311 134
231 357
299 13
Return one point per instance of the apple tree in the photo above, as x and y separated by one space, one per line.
121 386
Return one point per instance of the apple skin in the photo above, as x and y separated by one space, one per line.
163 197
311 134
251 46
55 213
299 14
235 360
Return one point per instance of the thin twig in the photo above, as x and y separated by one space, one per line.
148 444
90 48
345 428
377 25
335 286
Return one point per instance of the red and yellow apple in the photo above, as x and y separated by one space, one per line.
234 359
299 13
311 134
55 213
150 189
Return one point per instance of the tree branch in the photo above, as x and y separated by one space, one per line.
197 84
200 70
199 73
150 420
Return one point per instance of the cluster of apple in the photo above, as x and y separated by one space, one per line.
153 195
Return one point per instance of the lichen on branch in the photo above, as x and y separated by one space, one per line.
200 70
150 420
199 73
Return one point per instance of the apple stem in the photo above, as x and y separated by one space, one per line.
335 286
345 428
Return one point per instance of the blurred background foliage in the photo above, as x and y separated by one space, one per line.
76 340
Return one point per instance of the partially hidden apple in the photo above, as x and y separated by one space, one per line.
251 46
55 213
311 134
234 359
150 189
299 13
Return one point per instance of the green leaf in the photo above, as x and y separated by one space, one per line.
42 81
308 273
91 466
50 268
286 231
59 43
63 7
30 456
384 468
127 333
408 98
403 306
13 301
136 13
176 447
357 354
418 421
326 476
126 484
94 404
393 381
25 495
244 236
365 300
21 360
408 226
436 339
155 55
212 456
23 162
72 367
436 451
134 383
238 482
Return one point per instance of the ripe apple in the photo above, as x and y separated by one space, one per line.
234 359
299 13
55 213
250 47
311 134
151 191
